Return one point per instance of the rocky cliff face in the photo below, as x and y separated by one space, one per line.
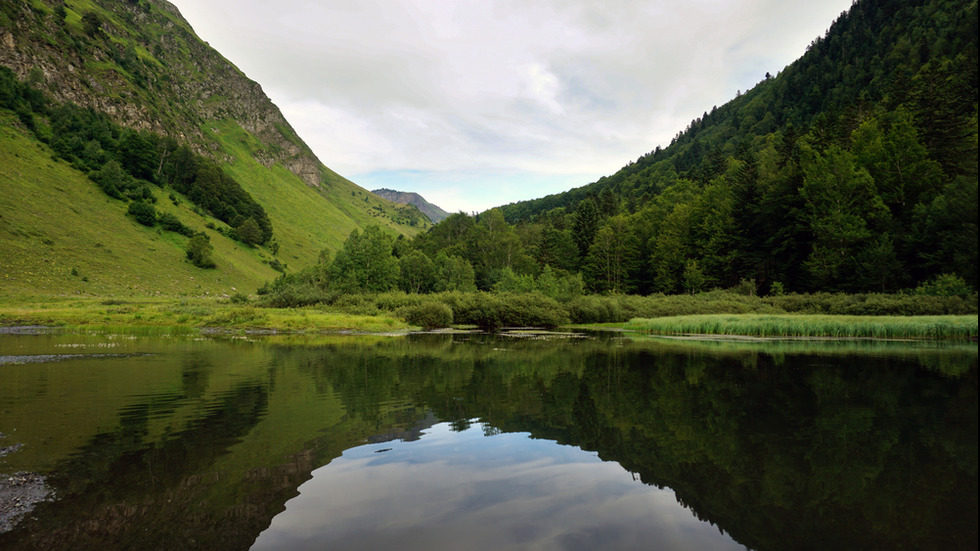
140 62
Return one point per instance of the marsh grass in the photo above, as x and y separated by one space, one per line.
801 325
157 316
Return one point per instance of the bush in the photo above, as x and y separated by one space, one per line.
169 222
490 312
144 213
199 250
294 295
594 309
429 315
945 285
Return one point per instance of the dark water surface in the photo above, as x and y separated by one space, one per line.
477 442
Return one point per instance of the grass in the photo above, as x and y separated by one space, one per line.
172 315
53 237
155 315
802 325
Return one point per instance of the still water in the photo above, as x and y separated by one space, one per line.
479 442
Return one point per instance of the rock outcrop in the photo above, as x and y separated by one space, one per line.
145 67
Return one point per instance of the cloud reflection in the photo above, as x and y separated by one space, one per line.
463 490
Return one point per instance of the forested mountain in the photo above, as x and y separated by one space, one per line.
122 98
853 169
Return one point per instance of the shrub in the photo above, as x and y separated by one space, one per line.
944 285
294 295
144 213
199 250
429 315
490 312
169 222
594 309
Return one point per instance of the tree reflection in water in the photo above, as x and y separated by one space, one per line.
794 446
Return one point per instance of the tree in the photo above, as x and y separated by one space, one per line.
138 156
694 279
586 225
364 263
492 245
840 203
669 249
199 250
558 249
418 273
112 179
611 257
249 232
453 273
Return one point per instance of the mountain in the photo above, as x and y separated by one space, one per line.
434 213
95 86
853 169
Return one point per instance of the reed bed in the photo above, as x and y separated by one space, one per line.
831 326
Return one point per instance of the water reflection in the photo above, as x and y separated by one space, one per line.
466 490
598 443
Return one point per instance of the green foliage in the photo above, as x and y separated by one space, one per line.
365 263
944 285
170 222
249 232
144 213
491 311
209 187
429 315
199 251
453 273
418 273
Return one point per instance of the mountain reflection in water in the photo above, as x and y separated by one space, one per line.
480 442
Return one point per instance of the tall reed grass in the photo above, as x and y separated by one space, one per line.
802 325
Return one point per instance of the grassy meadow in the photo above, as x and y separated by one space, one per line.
165 315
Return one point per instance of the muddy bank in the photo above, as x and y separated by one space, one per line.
27 330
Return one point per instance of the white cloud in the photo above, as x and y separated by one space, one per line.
508 87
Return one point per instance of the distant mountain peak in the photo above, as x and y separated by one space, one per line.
434 213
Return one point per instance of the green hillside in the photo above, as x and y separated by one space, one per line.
150 81
853 169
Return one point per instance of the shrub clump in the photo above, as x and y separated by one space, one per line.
428 315
144 213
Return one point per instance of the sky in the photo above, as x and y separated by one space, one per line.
479 103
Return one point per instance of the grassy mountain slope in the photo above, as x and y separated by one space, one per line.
140 63
59 234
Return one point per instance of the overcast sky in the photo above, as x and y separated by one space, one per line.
478 103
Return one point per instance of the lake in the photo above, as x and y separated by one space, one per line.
471 441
